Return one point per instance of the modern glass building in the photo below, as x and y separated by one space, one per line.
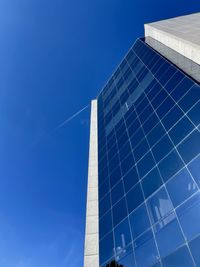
143 206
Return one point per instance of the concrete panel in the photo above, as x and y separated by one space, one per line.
91 251
181 34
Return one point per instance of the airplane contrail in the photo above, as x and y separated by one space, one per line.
70 118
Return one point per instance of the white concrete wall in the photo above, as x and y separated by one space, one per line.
91 252
181 34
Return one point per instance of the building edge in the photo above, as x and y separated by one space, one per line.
91 249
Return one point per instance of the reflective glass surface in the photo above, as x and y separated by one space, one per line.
149 163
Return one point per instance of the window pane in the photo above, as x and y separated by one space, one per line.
130 179
139 221
145 250
180 258
170 165
184 183
189 216
151 182
134 197
105 224
106 248
190 148
128 261
180 130
117 192
145 164
119 211
168 235
159 205
194 247
194 168
122 236
104 205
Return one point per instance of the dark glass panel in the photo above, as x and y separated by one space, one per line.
119 211
104 205
122 235
180 130
189 217
170 165
180 258
190 147
151 182
185 184
168 235
117 192
139 221
134 197
106 248
194 168
159 205
145 250
105 225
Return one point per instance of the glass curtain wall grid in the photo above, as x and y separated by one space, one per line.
149 164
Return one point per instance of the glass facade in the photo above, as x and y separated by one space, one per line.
149 164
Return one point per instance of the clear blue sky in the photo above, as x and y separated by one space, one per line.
55 55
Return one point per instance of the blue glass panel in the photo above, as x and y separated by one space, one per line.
162 148
190 98
103 189
106 248
115 176
113 163
194 247
150 123
159 205
130 179
151 182
133 128
137 137
159 99
146 113
172 117
167 74
141 149
154 91
128 261
105 224
122 235
104 205
119 211
156 134
124 151
190 147
180 130
170 165
186 187
167 104
127 163
142 105
145 250
194 114
182 88
134 197
189 217
194 168
174 81
145 164
117 192
168 235
180 258
139 221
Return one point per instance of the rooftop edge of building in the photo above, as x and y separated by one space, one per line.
182 34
